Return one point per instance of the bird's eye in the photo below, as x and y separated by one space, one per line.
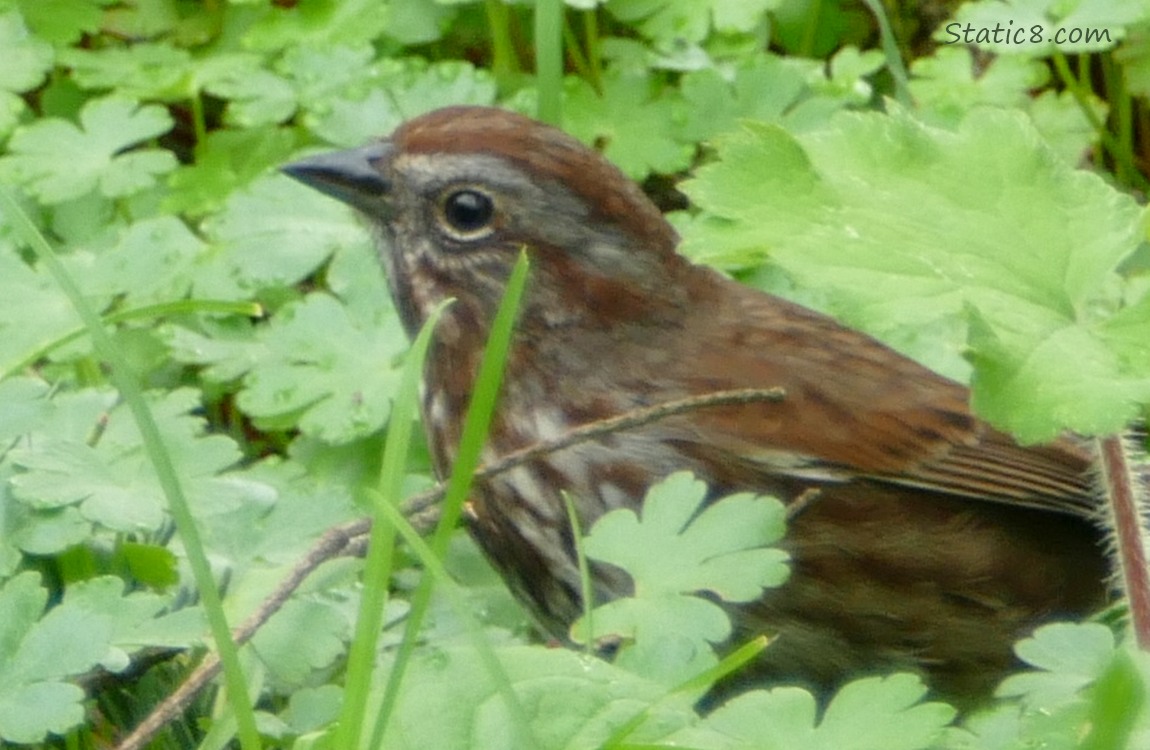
468 212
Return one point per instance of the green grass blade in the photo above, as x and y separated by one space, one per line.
585 587
454 595
731 662
126 381
160 310
549 60
893 56
488 382
381 544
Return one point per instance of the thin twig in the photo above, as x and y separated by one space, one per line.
421 511
332 544
627 421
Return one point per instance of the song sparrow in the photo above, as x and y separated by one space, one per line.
933 542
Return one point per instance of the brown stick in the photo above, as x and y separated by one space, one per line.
421 511
628 421
1127 523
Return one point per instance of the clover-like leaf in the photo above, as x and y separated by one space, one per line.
94 624
140 71
226 161
112 482
33 310
414 22
450 700
317 23
867 714
680 547
946 88
763 89
292 659
1061 119
403 89
669 21
256 96
1134 57
58 161
138 619
274 233
26 61
62 21
949 83
37 653
319 359
1067 657
309 366
153 261
635 126
721 547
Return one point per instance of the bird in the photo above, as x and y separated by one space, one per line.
920 537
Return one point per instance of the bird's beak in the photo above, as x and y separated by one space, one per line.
355 176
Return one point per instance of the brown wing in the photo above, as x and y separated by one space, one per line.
854 406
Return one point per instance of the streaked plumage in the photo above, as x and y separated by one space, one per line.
932 542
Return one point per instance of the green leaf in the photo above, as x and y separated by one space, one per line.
256 96
405 90
26 61
35 654
94 624
112 482
153 565
449 701
23 406
317 359
413 22
867 714
722 548
311 709
154 260
274 233
139 71
24 412
33 310
322 74
226 161
142 20
296 509
1060 119
682 547
62 21
138 619
634 125
1134 57
669 21
308 367
1003 234
39 532
1118 704
763 89
292 660
58 161
949 83
946 90
29 712
1068 657
319 23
